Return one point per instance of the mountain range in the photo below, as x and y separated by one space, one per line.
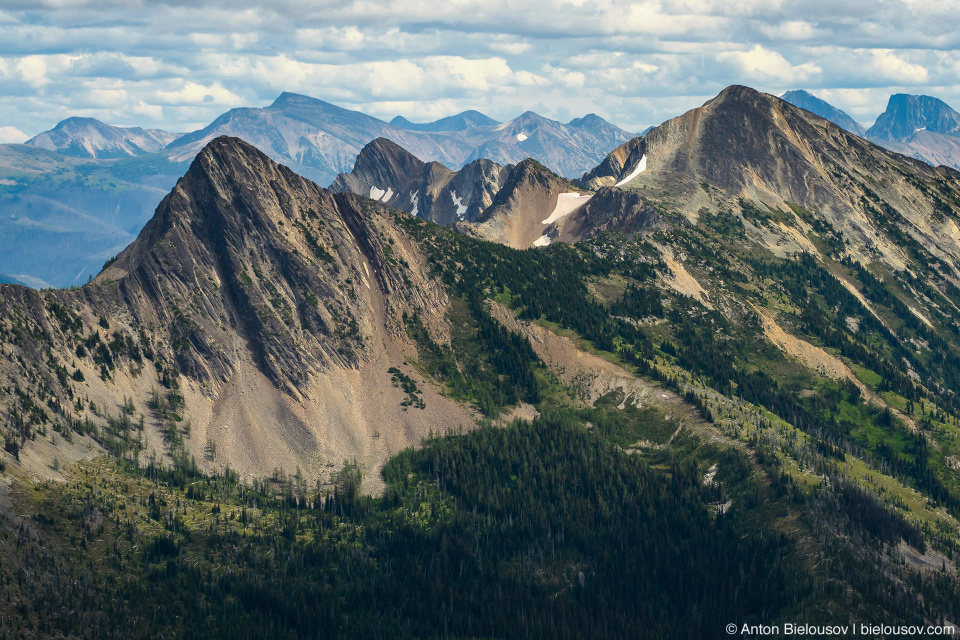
99 185
719 370
90 138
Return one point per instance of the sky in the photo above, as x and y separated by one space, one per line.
177 64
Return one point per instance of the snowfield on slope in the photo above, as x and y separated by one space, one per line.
640 168
566 203
380 195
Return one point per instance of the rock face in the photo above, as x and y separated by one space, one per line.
922 127
748 147
614 167
906 114
279 303
824 109
520 216
387 173
89 138
610 209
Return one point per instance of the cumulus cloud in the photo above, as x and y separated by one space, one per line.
12 134
898 70
173 64
193 93
763 64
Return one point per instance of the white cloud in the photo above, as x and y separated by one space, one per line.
511 48
896 69
765 65
799 30
12 134
33 71
172 64
194 93
152 112
244 40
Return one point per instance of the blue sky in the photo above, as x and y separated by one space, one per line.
176 64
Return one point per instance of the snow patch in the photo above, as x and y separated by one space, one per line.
415 199
542 241
566 203
521 137
640 168
458 203
380 195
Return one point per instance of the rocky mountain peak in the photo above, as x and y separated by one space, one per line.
91 138
591 119
906 115
289 98
386 172
384 161
245 247
530 117
463 121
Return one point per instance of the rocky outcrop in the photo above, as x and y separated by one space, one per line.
271 307
389 174
615 166
520 213
610 209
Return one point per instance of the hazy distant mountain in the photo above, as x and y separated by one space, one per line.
63 217
90 138
813 104
315 138
905 115
923 127
320 140
466 120
569 149
26 281
76 195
